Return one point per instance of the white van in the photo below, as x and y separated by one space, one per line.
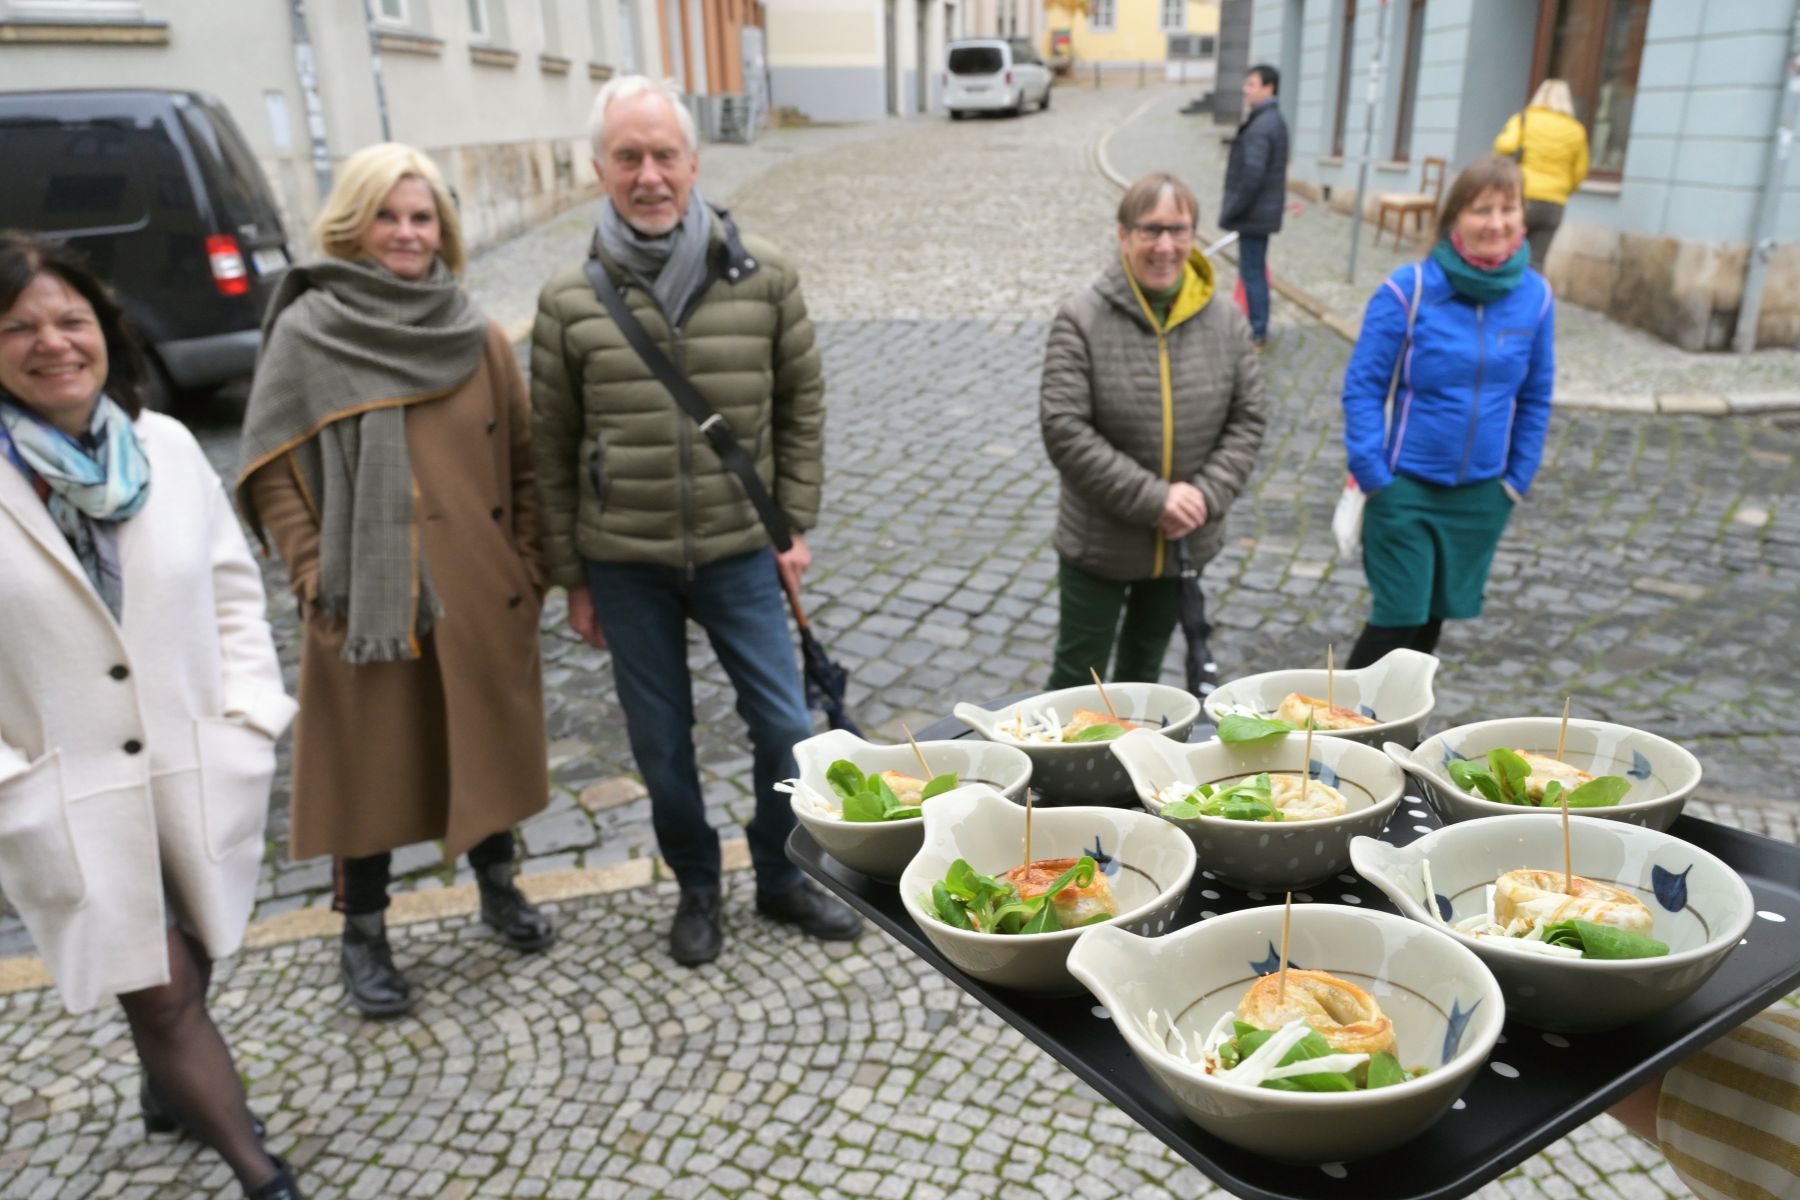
994 75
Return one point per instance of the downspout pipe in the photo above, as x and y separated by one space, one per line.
1768 204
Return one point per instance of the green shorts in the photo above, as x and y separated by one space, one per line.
1427 549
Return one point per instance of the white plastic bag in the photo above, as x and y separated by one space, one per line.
1347 519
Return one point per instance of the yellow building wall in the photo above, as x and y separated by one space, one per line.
1136 35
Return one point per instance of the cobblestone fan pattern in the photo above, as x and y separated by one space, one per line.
790 1069
1595 356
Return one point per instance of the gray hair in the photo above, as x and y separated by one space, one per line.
624 87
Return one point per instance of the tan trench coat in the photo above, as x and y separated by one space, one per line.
451 745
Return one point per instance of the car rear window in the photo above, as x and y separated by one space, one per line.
976 60
81 175
231 169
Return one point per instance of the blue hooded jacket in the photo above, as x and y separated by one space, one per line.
1473 402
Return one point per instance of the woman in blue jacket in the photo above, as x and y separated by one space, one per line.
1471 403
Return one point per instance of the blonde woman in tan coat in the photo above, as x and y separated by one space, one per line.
140 699
386 453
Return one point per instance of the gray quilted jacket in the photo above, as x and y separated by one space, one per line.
1117 437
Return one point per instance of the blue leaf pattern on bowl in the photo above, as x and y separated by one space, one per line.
1165 721
1640 766
1109 866
1443 903
1451 752
1670 888
1272 964
1453 1032
1322 773
1368 712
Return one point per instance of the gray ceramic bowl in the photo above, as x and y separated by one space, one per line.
1396 692
881 849
1662 774
1268 856
1147 862
1086 772
1701 908
1446 1009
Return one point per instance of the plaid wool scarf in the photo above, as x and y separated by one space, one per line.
346 347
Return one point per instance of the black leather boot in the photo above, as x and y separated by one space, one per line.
160 1116
282 1187
699 933
371 980
812 911
505 909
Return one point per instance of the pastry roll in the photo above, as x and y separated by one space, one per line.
1537 898
1318 799
1086 717
1294 709
1544 769
1343 1014
907 789
1073 905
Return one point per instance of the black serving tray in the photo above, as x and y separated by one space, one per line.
1553 1084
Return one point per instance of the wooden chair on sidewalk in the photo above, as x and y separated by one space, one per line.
1421 204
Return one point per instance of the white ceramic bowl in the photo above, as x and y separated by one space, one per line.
1396 692
881 849
1662 774
1701 907
1085 772
1268 856
1446 1008
1147 862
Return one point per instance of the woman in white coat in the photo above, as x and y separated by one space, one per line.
140 698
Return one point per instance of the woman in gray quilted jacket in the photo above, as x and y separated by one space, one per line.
1152 412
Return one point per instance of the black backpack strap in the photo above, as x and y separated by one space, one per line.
712 425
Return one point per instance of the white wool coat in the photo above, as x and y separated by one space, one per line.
135 755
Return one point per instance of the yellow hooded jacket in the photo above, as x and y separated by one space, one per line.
1556 152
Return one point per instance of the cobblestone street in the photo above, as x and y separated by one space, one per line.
1652 575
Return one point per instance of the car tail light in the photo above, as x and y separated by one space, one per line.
1008 78
229 273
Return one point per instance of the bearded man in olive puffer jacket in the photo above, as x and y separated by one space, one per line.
647 528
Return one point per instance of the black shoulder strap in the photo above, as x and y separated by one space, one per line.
712 425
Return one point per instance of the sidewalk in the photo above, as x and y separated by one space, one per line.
1599 363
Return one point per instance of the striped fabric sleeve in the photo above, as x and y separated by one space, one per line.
1728 1120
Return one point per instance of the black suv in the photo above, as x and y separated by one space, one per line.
161 193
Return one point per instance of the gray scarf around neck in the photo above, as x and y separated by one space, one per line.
347 347
672 268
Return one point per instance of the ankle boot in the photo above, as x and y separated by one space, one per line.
160 1116
698 933
282 1187
505 909
371 980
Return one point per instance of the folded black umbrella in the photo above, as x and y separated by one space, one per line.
1202 671
825 679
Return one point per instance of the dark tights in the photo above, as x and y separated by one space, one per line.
190 1065
1376 640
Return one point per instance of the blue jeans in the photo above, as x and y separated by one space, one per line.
643 610
1253 269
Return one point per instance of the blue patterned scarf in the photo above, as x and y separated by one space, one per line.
95 482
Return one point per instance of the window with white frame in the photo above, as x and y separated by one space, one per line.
1173 16
479 25
552 20
390 12
1103 15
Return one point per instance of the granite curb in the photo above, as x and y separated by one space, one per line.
1706 404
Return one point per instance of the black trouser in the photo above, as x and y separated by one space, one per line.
1376 640
361 884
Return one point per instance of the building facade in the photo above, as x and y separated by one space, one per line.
1173 39
496 91
1682 100
861 60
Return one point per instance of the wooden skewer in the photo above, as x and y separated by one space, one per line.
1306 759
1563 733
1568 862
1287 916
1104 699
916 750
1330 677
1027 831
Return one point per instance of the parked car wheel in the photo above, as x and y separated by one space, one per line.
1018 106
957 114
1045 105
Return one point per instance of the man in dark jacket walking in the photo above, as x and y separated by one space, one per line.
1256 190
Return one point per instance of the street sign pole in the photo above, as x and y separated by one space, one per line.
1362 165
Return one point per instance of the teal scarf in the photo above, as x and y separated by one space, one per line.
1483 287
94 483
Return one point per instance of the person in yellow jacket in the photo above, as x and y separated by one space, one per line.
1552 148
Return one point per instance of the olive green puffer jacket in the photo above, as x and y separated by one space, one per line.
624 475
